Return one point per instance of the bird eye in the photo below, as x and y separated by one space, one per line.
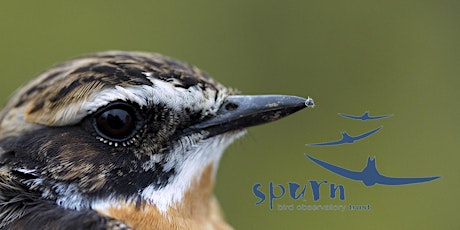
118 122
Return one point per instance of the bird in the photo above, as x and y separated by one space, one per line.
370 175
122 140
365 116
347 139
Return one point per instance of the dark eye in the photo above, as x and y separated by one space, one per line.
117 122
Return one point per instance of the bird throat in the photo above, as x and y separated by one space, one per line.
197 210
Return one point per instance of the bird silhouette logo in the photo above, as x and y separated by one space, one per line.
370 175
365 116
347 139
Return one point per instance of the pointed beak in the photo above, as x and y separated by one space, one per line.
239 112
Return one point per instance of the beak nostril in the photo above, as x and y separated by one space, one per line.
231 106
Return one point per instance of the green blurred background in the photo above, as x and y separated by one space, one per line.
387 57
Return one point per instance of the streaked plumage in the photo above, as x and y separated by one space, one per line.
121 140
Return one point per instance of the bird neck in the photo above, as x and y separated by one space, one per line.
197 210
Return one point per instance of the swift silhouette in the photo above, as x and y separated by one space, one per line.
365 116
347 139
370 175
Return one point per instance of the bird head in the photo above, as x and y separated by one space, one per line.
126 127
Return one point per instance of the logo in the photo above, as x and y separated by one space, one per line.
347 139
365 116
370 175
314 189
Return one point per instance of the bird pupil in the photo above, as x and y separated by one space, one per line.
115 123
117 118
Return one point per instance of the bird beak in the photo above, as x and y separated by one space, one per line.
239 112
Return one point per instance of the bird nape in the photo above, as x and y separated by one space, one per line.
122 140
